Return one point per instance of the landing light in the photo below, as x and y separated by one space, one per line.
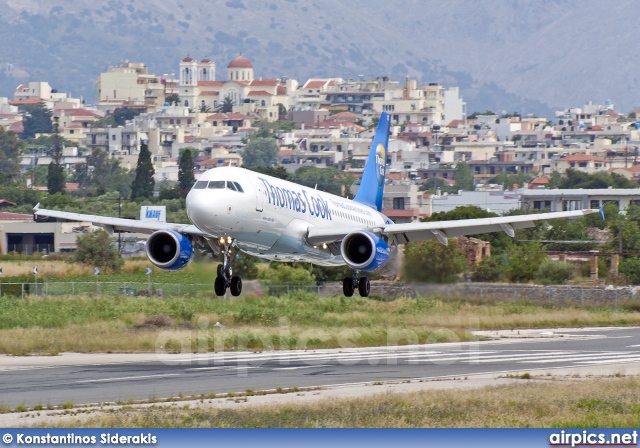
229 240
221 240
324 246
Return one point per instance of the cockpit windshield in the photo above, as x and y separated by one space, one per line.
218 185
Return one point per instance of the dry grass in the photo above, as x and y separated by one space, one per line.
611 402
96 324
46 269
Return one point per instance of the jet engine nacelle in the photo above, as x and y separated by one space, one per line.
169 250
364 251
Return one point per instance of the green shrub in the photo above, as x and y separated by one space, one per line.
490 269
630 268
555 272
282 274
430 261
96 249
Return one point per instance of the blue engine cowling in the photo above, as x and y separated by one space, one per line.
364 251
169 250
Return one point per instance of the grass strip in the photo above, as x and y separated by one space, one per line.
596 403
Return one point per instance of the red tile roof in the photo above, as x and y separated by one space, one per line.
240 62
27 101
235 116
344 116
206 60
259 93
6 216
631 169
208 162
188 59
455 123
286 152
7 202
315 84
581 158
264 82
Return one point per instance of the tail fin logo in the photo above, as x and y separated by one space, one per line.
381 160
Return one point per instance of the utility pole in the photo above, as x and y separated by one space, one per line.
119 216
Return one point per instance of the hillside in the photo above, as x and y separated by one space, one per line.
526 55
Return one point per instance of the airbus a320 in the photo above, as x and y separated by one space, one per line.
233 209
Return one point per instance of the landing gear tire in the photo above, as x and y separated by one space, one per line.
236 286
220 286
364 286
348 287
220 270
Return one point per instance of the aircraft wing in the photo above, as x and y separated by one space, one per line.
120 224
442 230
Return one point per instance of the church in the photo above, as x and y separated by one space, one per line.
200 91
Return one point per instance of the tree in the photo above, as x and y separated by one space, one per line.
55 179
329 179
226 106
101 174
524 261
431 261
56 175
463 177
96 249
123 114
499 241
143 184
508 180
104 122
36 120
433 183
10 149
172 99
274 171
260 152
186 179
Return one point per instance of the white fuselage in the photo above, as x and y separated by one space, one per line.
269 217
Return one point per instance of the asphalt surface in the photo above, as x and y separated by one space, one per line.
93 380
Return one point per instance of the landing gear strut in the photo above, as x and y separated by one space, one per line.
350 284
225 278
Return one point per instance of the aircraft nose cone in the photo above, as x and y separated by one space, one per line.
196 207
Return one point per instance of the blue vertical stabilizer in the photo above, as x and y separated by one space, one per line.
372 183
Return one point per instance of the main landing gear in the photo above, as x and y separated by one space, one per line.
225 278
350 284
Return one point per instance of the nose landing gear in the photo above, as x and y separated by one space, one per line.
225 278
350 284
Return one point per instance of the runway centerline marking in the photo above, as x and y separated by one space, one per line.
129 378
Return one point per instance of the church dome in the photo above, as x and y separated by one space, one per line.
240 62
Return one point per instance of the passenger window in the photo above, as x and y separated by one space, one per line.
216 185
238 187
230 186
200 185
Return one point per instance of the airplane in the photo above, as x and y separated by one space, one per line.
234 209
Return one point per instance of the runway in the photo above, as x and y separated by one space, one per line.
82 379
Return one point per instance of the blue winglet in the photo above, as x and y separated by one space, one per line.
602 211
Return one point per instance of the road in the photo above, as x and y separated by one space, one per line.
92 379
